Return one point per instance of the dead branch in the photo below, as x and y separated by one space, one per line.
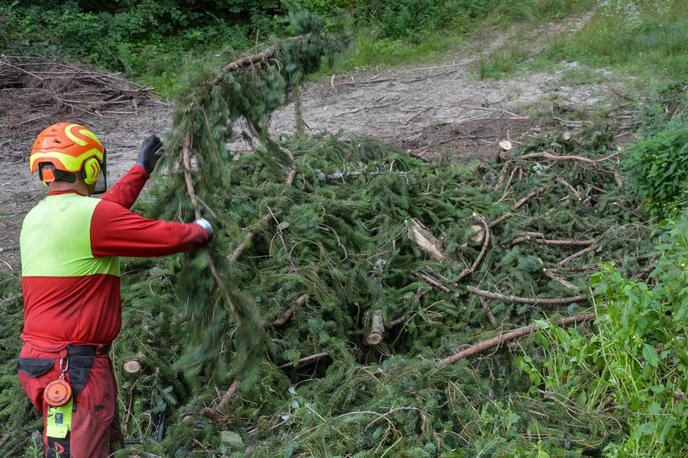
526 300
252 60
488 312
508 184
396 322
250 235
289 313
229 395
578 254
564 242
571 188
554 157
186 163
39 82
433 281
514 334
562 281
617 179
483 251
537 237
645 271
501 177
521 202
305 360
499 110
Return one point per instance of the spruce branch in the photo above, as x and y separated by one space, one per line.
252 60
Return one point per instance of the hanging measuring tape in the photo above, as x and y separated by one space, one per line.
58 392
58 397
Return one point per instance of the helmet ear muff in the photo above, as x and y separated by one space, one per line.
91 171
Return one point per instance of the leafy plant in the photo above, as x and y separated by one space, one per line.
635 364
658 167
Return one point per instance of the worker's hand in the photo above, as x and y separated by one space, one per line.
148 154
206 225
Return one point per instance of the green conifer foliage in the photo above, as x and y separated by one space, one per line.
326 219
200 182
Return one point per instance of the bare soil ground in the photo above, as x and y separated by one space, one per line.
430 110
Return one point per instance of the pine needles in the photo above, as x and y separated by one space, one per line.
315 229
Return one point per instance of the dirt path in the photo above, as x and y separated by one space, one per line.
432 110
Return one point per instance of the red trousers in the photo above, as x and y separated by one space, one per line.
95 426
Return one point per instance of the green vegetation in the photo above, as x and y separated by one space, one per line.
647 39
340 234
635 364
155 42
659 164
644 38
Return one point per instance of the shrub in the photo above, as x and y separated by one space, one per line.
658 168
635 364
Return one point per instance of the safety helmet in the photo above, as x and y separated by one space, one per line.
63 150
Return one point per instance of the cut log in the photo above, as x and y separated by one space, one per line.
376 332
132 367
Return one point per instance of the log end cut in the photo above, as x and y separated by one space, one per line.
132 367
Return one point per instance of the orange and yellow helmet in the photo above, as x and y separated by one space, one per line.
69 148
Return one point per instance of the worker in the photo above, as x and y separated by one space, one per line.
70 245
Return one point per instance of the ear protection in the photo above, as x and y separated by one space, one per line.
91 171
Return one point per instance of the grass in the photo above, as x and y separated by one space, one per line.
366 52
384 34
649 41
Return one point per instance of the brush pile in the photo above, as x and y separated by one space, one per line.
328 316
45 88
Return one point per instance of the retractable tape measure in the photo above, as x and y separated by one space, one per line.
57 393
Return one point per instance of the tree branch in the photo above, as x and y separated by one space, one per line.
526 300
289 313
483 251
553 157
514 334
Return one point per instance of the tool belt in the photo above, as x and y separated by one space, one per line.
78 363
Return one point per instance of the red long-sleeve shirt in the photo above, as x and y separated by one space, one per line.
70 246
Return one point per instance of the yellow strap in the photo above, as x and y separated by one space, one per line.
59 421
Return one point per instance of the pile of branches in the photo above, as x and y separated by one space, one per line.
36 88
349 285
377 276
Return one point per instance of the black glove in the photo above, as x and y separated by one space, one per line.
206 225
148 154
